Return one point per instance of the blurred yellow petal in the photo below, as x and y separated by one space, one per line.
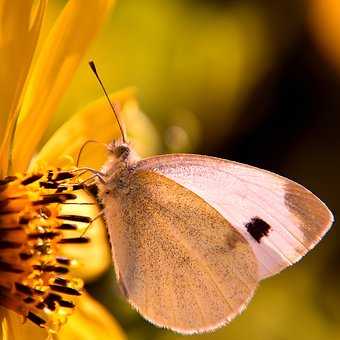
325 19
19 32
97 122
91 321
14 328
93 258
55 66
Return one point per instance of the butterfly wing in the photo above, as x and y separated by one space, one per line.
281 219
177 260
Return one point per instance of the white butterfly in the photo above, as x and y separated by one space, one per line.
193 235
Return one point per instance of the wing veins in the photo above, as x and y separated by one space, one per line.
195 255
172 295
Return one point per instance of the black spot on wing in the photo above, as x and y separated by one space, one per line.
257 228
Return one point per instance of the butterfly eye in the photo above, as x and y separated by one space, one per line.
121 151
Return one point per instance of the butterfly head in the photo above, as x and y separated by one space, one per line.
121 160
119 150
120 156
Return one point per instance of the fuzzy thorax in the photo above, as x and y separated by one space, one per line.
121 156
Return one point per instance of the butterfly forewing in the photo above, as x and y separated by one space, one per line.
179 262
281 219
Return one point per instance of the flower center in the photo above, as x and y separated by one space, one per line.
35 279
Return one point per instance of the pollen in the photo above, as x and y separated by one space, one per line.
35 278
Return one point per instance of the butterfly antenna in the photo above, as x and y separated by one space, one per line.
83 147
113 107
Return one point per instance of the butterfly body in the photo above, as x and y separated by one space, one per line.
193 235
163 258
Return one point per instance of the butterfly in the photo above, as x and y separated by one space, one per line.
192 236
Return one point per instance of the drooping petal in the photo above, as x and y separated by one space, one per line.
97 122
20 23
60 56
91 322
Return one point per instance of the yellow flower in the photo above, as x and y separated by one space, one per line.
38 195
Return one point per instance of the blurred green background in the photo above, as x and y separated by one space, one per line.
255 81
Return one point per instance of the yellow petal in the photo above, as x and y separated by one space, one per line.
19 32
97 122
92 258
91 321
13 327
325 20
54 68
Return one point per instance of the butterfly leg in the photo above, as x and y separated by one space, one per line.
90 223
95 172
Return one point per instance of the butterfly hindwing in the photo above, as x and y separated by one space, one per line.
179 262
281 219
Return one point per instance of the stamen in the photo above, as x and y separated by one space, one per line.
29 300
7 180
38 292
74 240
75 218
67 304
49 185
34 275
55 198
66 196
64 175
23 289
25 256
77 187
31 179
4 203
50 268
9 245
78 203
8 212
43 236
66 226
60 281
63 260
65 290
36 319
9 229
51 300
23 220
40 305
7 267
49 174
61 188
